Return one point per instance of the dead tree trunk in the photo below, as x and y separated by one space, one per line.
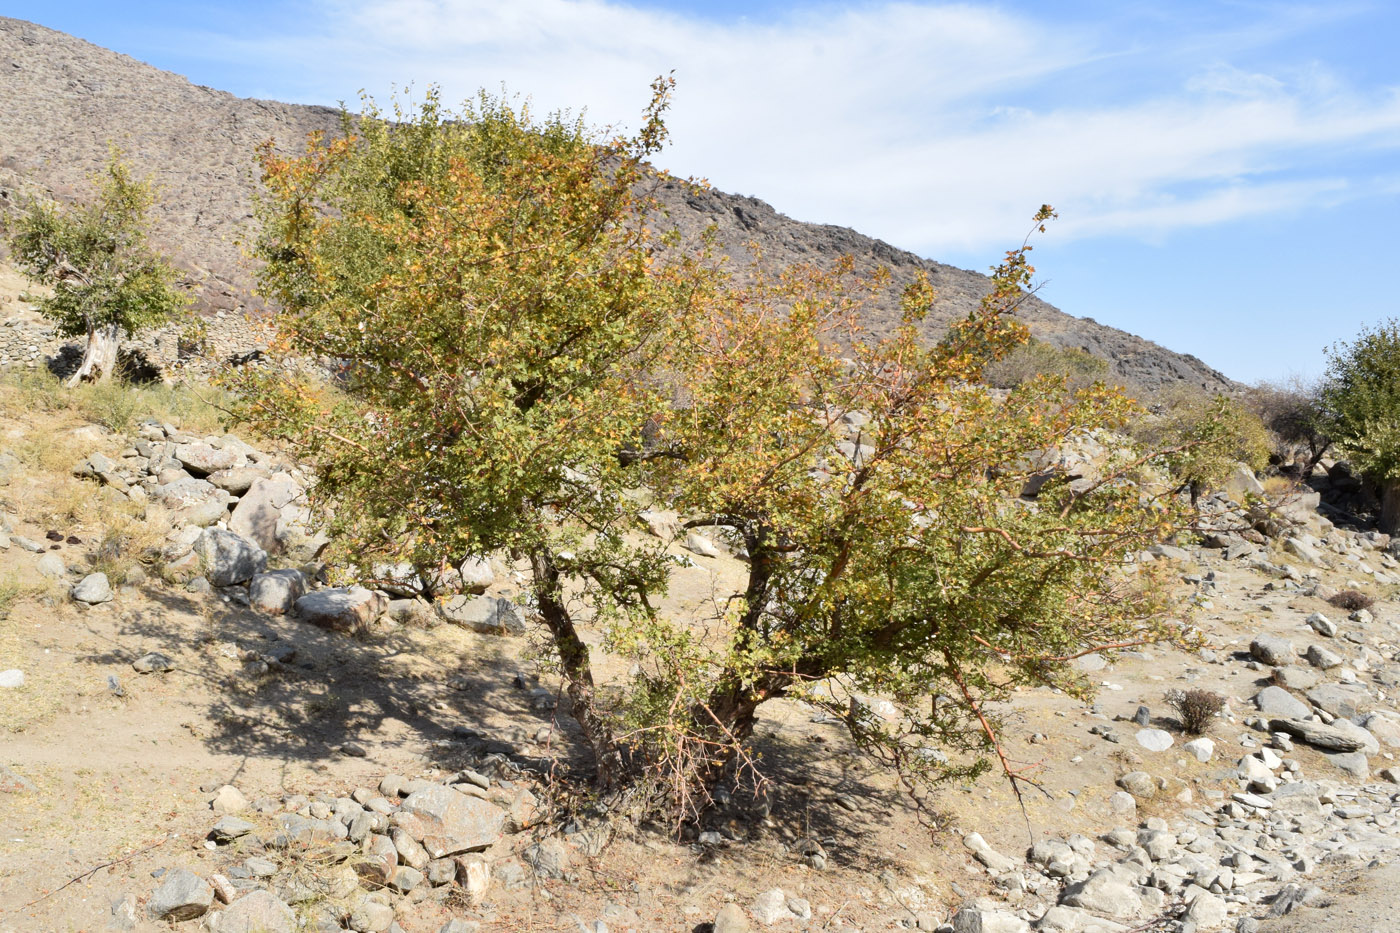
100 356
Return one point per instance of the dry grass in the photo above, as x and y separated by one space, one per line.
1276 487
117 406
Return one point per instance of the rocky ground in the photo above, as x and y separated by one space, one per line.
235 745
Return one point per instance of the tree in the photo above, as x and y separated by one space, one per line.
1360 399
107 279
1292 411
1203 437
522 352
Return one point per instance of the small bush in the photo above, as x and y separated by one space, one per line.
1034 358
1195 708
1351 600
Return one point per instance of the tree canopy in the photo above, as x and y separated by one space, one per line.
1360 398
107 279
525 355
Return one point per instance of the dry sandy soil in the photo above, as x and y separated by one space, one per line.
114 775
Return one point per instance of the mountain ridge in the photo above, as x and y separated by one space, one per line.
63 100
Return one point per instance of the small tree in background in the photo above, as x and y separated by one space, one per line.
1203 437
1292 410
107 280
521 358
1360 399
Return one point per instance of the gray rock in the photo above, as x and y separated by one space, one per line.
201 459
1154 740
1348 702
1207 912
153 663
28 544
1353 763
1272 650
93 589
1322 658
1276 701
230 828
485 614
448 822
1303 550
192 501
476 574
258 912
404 879
12 678
236 480
229 559
984 853
1295 677
340 609
1140 784
550 858
731 919
1109 891
770 907
51 565
1322 625
267 505
371 916
277 591
976 920
1327 738
182 895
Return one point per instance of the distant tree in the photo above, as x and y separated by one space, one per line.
1037 357
520 358
1292 411
1203 438
1360 400
107 280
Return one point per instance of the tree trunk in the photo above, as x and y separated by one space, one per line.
578 672
100 357
1390 508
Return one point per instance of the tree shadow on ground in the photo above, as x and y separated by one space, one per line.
277 688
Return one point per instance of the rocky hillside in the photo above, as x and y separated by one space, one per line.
62 100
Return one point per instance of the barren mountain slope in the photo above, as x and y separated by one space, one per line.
62 100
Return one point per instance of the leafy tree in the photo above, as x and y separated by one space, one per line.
1292 410
1036 357
107 279
1360 398
1203 437
522 352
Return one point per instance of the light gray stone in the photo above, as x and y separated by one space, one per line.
12 678
267 503
201 459
1328 738
93 589
1272 650
182 895
51 565
277 591
153 663
192 501
486 614
229 559
1154 740
770 907
976 920
340 608
1276 701
258 912
731 919
448 822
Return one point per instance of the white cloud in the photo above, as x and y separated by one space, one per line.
929 126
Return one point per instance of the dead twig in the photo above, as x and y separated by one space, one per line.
92 871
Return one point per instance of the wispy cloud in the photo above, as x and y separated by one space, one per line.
937 127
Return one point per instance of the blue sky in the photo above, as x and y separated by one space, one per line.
1227 173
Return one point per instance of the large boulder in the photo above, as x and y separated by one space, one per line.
192 501
182 895
1241 484
258 912
485 614
229 559
1333 738
1272 650
277 591
269 503
93 589
201 459
448 822
339 608
1276 701
1110 891
1342 700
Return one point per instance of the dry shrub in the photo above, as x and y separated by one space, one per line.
1351 600
1195 708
